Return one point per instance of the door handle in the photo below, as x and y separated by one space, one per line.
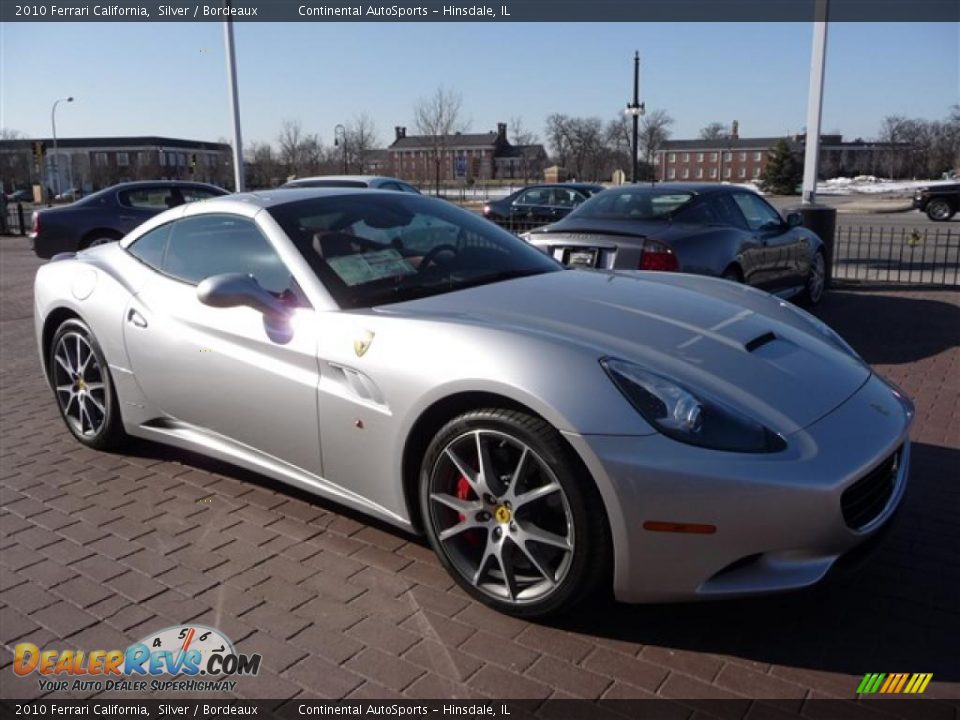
136 319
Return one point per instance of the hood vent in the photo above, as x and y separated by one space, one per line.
760 341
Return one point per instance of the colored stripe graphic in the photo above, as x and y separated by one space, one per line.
894 683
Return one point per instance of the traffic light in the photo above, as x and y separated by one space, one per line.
39 150
193 163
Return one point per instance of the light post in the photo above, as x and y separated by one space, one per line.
239 176
53 123
635 110
342 142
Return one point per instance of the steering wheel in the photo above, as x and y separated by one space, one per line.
432 253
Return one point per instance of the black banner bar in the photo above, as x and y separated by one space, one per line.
910 709
480 11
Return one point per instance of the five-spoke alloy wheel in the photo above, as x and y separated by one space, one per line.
506 510
82 385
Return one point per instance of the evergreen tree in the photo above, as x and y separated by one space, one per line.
784 172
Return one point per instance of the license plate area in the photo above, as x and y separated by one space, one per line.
580 257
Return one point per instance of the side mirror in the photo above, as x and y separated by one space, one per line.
794 219
236 290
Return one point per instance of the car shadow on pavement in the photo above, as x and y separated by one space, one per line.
893 329
898 607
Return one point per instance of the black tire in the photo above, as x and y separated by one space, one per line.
733 274
940 210
95 428
579 570
816 284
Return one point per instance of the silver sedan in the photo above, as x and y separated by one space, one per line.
551 431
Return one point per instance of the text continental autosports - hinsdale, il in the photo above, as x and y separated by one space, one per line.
398 11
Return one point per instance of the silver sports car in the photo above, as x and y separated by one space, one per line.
551 431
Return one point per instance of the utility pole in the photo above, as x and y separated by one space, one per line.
54 166
811 161
636 109
238 174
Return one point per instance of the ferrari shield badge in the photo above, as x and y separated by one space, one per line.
362 343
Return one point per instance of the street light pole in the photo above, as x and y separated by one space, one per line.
238 174
636 109
53 123
343 141
815 104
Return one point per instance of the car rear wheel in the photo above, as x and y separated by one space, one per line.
510 515
939 210
81 382
99 237
816 280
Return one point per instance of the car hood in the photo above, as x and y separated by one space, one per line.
736 344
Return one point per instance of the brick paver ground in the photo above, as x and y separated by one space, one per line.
98 550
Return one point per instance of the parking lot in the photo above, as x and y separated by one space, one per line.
99 550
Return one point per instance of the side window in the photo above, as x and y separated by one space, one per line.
207 245
149 198
409 189
538 196
149 247
757 213
391 186
562 197
726 211
192 194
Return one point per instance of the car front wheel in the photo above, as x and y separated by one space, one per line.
84 390
510 513
939 210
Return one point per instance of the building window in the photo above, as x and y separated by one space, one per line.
713 157
726 172
686 157
699 172
672 173
699 157
713 173
686 173
743 157
728 156
757 156
182 159
672 157
742 172
100 159
756 172
123 159
143 158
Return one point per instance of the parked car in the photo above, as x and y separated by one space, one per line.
939 202
539 203
70 195
109 214
352 181
708 229
672 436
20 196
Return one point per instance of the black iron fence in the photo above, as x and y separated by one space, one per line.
924 255
16 220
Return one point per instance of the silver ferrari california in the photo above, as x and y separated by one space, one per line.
551 431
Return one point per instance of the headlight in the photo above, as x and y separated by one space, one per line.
689 418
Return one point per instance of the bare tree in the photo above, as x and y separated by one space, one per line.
290 141
437 118
11 134
530 153
263 167
619 137
361 138
558 135
714 131
654 131
893 131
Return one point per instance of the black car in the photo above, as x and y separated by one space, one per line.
539 204
939 202
708 229
20 196
110 214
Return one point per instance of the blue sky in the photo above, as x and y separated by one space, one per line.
170 79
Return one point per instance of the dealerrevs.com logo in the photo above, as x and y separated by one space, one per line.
199 659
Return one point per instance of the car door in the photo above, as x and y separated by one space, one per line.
530 206
748 250
227 370
778 244
564 201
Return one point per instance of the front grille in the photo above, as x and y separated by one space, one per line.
863 501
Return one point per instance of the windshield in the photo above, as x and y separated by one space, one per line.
374 249
632 204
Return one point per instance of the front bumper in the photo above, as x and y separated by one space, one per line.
779 517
